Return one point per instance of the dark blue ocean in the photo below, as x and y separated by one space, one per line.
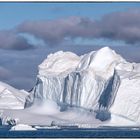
107 132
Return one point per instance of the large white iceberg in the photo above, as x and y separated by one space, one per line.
99 80
79 82
82 89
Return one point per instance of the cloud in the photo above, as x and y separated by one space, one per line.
19 68
4 73
120 26
21 82
10 39
56 31
123 26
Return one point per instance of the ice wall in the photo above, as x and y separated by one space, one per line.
89 81
127 101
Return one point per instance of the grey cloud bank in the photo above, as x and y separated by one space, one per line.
124 26
119 26
9 39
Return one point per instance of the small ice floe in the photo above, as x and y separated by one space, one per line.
47 127
22 127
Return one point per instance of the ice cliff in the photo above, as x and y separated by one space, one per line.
99 80
76 81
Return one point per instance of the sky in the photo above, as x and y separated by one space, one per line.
31 31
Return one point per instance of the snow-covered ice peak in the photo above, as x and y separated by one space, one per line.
101 62
105 61
104 57
59 62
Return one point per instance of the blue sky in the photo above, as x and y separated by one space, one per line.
30 31
12 14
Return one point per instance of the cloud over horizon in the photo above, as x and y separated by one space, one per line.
117 26
9 39
4 73
122 26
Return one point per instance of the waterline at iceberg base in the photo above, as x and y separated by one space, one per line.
98 89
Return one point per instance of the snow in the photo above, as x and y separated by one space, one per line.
70 117
58 62
47 107
118 120
103 59
101 62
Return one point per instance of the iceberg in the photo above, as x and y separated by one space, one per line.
92 81
97 88
22 127
99 80
89 81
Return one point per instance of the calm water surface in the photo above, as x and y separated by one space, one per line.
107 132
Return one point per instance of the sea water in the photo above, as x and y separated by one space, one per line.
104 132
